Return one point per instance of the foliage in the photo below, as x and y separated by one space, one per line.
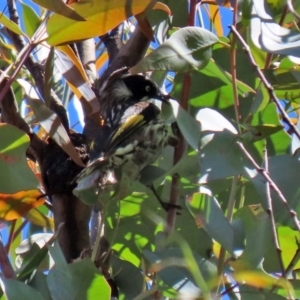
235 171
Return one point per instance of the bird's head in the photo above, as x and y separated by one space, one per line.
140 88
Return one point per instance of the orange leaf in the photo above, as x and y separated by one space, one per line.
13 206
101 60
216 19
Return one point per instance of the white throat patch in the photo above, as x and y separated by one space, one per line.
121 90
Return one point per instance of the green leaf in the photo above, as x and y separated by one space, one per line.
261 99
277 143
57 254
208 214
15 174
39 283
32 260
59 7
30 18
258 236
174 272
215 89
14 289
187 124
131 286
77 281
258 132
187 49
287 239
289 167
271 37
220 155
10 25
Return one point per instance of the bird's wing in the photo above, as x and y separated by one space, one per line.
133 118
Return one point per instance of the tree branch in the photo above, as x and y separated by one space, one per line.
268 86
130 54
35 69
113 43
86 50
10 114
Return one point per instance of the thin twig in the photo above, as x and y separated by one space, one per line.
5 264
269 211
11 234
227 291
229 215
35 69
268 86
181 147
233 71
292 10
272 184
294 260
233 189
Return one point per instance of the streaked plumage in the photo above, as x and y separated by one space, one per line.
132 129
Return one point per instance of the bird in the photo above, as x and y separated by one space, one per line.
132 131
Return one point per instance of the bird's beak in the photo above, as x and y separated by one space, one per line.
164 98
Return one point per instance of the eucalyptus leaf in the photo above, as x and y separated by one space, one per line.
187 49
271 37
79 280
208 214
14 290
174 273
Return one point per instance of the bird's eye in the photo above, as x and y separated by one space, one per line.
148 88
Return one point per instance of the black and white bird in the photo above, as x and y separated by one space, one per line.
132 130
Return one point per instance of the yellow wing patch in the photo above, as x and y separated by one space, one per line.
131 123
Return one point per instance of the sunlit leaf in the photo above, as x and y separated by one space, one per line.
15 174
71 68
50 121
101 16
13 206
259 132
208 214
79 280
131 286
271 37
10 25
187 49
59 7
257 229
36 217
30 19
257 279
189 127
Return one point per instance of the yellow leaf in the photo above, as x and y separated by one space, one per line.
259 279
13 206
216 19
34 216
101 16
101 60
4 20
